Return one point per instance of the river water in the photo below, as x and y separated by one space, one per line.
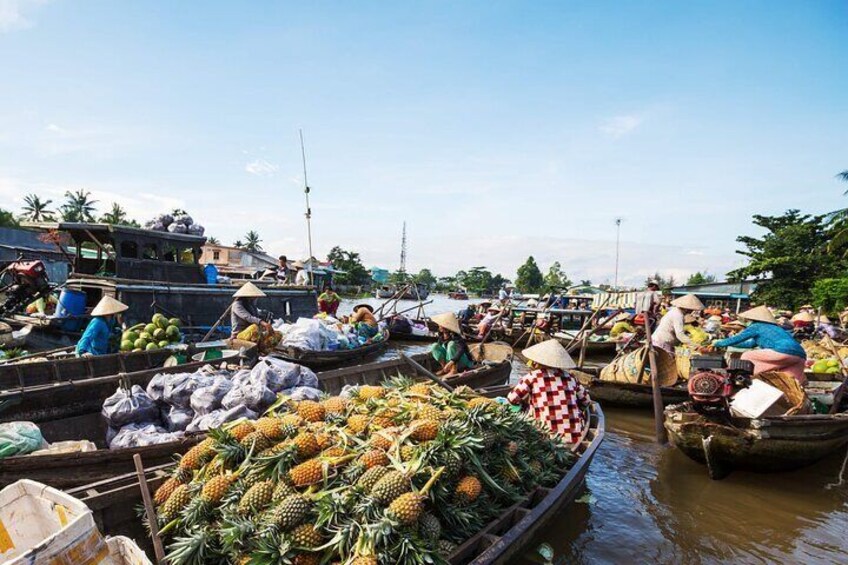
647 503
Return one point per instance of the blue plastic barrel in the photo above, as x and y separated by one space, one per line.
211 272
72 306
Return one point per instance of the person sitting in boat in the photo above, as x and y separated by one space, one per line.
329 301
553 394
488 320
670 331
98 333
450 351
778 350
244 312
364 322
623 325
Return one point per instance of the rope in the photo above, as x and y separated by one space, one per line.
841 480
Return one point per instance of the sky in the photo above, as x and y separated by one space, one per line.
496 130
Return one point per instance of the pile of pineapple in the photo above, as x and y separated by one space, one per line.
399 473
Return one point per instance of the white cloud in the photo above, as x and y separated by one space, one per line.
53 128
13 14
619 126
261 168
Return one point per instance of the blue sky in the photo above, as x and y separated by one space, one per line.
495 129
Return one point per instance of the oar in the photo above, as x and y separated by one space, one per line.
216 324
149 510
659 428
416 365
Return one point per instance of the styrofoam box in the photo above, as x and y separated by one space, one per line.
755 401
40 525
124 551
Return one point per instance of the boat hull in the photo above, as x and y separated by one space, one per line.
630 395
326 360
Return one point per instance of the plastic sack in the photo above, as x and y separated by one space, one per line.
70 446
219 417
196 229
304 334
140 435
19 438
276 374
181 386
177 228
208 399
255 397
307 378
177 419
156 386
184 219
299 393
128 407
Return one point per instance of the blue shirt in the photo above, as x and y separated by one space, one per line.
95 338
765 336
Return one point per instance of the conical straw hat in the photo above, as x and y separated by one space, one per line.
550 353
688 301
249 290
759 314
448 321
108 306
824 319
803 317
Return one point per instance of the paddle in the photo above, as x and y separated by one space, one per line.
659 428
216 324
423 370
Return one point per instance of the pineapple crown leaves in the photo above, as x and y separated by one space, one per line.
197 547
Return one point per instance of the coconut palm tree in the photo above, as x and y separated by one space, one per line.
116 216
839 220
78 207
213 241
238 243
252 241
36 210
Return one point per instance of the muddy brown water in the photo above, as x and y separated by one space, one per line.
647 503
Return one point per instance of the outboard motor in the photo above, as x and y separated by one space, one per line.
24 282
713 382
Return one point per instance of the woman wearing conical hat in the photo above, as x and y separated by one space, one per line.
244 312
776 349
105 316
450 351
554 395
670 331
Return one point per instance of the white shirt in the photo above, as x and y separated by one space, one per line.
645 301
669 331
502 295
302 278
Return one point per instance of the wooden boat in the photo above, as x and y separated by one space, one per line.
458 295
628 395
768 444
113 503
383 292
325 360
11 338
398 335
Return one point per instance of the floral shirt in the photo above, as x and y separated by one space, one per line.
555 397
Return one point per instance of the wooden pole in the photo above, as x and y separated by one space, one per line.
655 386
149 510
216 324
424 371
421 305
582 356
571 345
840 392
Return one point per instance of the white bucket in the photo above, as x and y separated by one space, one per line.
40 525
124 551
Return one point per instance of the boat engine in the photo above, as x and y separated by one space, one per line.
713 382
23 282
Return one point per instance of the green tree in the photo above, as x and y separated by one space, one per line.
529 278
7 219
116 215
556 278
425 277
446 284
349 262
78 206
661 280
213 241
831 294
238 243
788 259
700 278
585 282
37 210
839 220
477 280
252 242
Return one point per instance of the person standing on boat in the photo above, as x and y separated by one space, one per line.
279 274
450 351
553 394
670 331
95 339
329 301
301 277
364 322
244 312
777 349
648 302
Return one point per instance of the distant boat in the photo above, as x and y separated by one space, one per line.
384 291
458 295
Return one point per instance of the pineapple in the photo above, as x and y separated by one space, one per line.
373 458
216 487
198 455
512 448
429 527
365 560
256 441
270 428
307 445
371 476
257 497
334 451
428 412
468 489
335 405
420 389
480 401
306 536
242 429
291 511
306 559
282 490
164 492
307 473
406 508
311 411
382 440
407 452
446 548
367 392
424 430
358 423
292 419
391 486
178 500
324 440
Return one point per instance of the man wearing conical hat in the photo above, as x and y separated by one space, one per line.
554 396
772 347
670 331
95 339
244 312
450 351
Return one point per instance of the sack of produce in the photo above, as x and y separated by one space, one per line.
177 419
128 406
303 393
307 378
219 417
208 399
180 387
196 229
140 435
255 396
19 438
177 228
156 386
276 374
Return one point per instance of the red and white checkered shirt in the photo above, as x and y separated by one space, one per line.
555 398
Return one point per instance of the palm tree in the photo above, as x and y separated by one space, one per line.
36 209
116 216
252 241
78 207
839 220
237 243
213 241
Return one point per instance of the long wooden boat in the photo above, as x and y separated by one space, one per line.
113 503
325 360
10 337
629 395
767 444
398 335
79 417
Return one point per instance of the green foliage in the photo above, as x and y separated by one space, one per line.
831 294
477 280
425 277
78 206
7 219
398 278
556 277
446 284
252 242
700 278
663 282
348 261
529 277
117 216
788 259
213 241
238 243
37 210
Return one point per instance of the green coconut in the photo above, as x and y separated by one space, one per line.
140 343
164 343
150 328
137 349
145 335
173 333
151 347
130 336
159 334
175 322
126 345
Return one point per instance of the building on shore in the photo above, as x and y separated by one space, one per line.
235 262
